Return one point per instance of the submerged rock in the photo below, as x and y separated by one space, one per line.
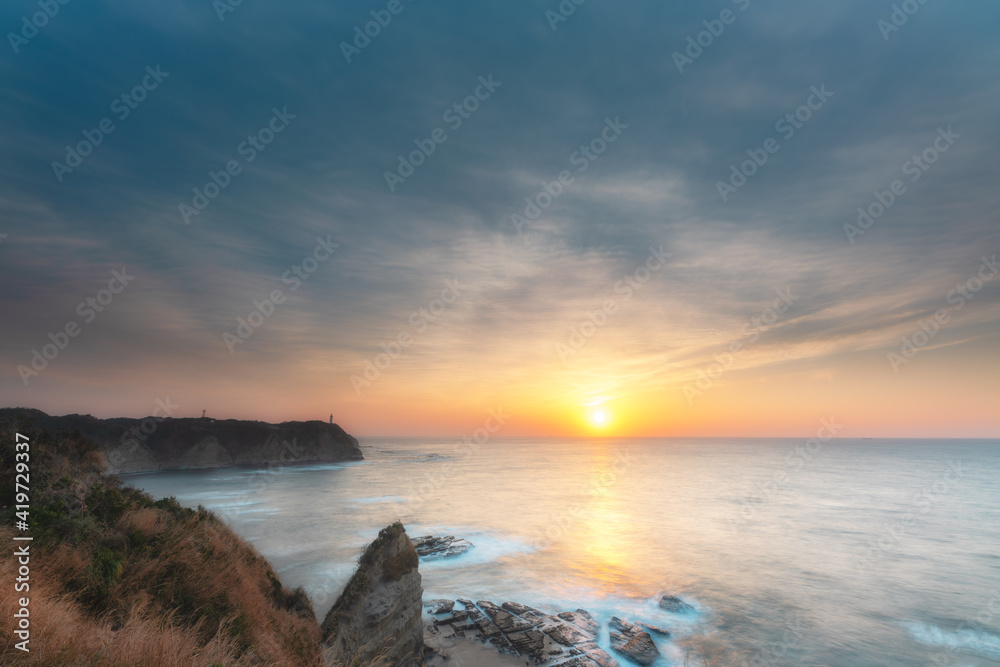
655 629
675 604
429 546
641 649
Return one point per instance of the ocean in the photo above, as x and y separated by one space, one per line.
790 551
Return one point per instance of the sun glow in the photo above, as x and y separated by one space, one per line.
599 417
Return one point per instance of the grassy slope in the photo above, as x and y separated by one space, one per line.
120 579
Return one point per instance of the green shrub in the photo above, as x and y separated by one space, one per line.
107 503
106 567
176 510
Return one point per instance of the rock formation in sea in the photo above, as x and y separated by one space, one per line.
377 619
632 641
429 546
154 443
674 604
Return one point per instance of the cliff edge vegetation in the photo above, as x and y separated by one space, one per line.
117 578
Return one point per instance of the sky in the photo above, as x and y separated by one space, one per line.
728 218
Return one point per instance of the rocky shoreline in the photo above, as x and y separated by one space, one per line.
565 639
380 617
480 632
568 638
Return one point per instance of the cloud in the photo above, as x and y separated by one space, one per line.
324 176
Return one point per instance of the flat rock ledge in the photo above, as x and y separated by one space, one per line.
429 546
566 639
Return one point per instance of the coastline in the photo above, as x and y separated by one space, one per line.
125 544
159 443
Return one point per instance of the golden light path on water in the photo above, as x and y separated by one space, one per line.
781 572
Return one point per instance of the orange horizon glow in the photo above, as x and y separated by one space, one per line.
771 394
743 404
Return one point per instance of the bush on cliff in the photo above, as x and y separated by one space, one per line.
118 578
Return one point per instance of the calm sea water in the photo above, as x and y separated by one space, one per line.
849 552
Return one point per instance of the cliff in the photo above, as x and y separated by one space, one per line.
377 619
155 443
117 578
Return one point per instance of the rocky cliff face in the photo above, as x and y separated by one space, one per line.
377 619
142 445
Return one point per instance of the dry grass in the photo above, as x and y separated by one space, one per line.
63 634
118 579
148 521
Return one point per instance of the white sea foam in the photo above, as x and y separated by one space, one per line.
603 608
487 547
965 640
377 499
313 467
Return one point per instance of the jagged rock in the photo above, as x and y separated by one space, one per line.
568 639
429 546
632 641
379 612
641 649
675 604
490 608
439 606
582 619
531 642
621 631
655 629
565 635
529 614
597 655
506 621
510 623
488 628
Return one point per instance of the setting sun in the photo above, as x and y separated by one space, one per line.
599 417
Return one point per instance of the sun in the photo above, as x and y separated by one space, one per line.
599 417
